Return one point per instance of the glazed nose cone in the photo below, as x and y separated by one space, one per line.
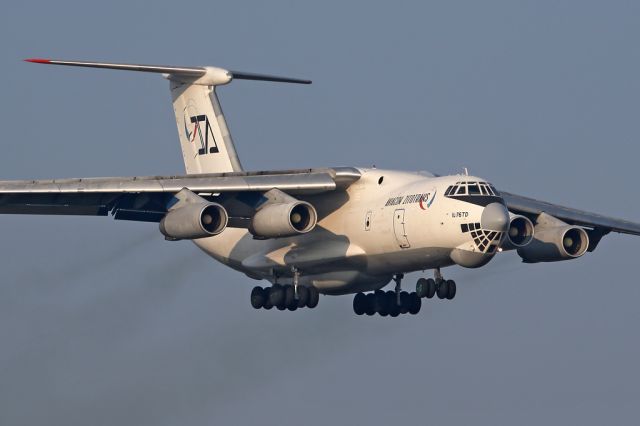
495 217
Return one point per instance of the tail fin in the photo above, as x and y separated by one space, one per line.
206 143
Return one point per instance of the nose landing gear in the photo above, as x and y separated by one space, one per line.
444 289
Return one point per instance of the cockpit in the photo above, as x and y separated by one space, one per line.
472 188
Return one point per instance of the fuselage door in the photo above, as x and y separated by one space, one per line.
399 228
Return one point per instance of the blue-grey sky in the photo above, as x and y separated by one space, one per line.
104 323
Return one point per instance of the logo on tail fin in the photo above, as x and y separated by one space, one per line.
197 129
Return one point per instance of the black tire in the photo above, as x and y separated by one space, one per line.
431 288
257 297
303 296
394 311
443 290
293 307
415 303
276 295
451 293
267 299
380 303
370 304
314 297
392 304
422 287
359 303
289 297
404 302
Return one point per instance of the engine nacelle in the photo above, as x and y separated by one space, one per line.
552 244
276 220
195 220
520 233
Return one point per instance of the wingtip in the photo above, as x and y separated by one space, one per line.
38 60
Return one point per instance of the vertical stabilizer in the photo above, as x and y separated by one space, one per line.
205 140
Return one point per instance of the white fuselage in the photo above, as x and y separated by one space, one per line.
388 222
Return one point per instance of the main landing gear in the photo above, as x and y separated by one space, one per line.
283 297
390 303
444 289
394 303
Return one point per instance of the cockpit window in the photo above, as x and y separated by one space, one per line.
472 188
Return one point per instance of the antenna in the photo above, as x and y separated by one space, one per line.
466 172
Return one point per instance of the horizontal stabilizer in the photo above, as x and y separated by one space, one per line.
210 75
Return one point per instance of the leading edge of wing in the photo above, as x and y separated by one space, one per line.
308 181
526 205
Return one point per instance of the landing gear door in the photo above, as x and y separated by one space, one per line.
399 229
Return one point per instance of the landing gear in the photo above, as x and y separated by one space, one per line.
426 288
444 289
283 297
289 297
389 303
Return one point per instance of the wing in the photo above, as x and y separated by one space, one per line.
147 198
603 224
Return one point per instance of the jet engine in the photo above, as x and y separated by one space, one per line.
194 220
276 220
520 232
556 243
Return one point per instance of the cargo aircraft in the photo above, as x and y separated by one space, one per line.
331 231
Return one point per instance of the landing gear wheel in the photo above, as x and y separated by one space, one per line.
267 299
289 296
257 297
303 296
451 293
392 304
359 303
431 288
314 297
379 302
415 303
404 302
276 295
443 289
370 300
394 311
422 287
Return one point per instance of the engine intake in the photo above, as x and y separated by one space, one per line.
283 220
520 232
554 244
192 221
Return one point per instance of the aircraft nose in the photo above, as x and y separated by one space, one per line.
495 217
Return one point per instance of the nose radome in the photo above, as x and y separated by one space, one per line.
495 217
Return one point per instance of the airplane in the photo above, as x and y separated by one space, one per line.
329 231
